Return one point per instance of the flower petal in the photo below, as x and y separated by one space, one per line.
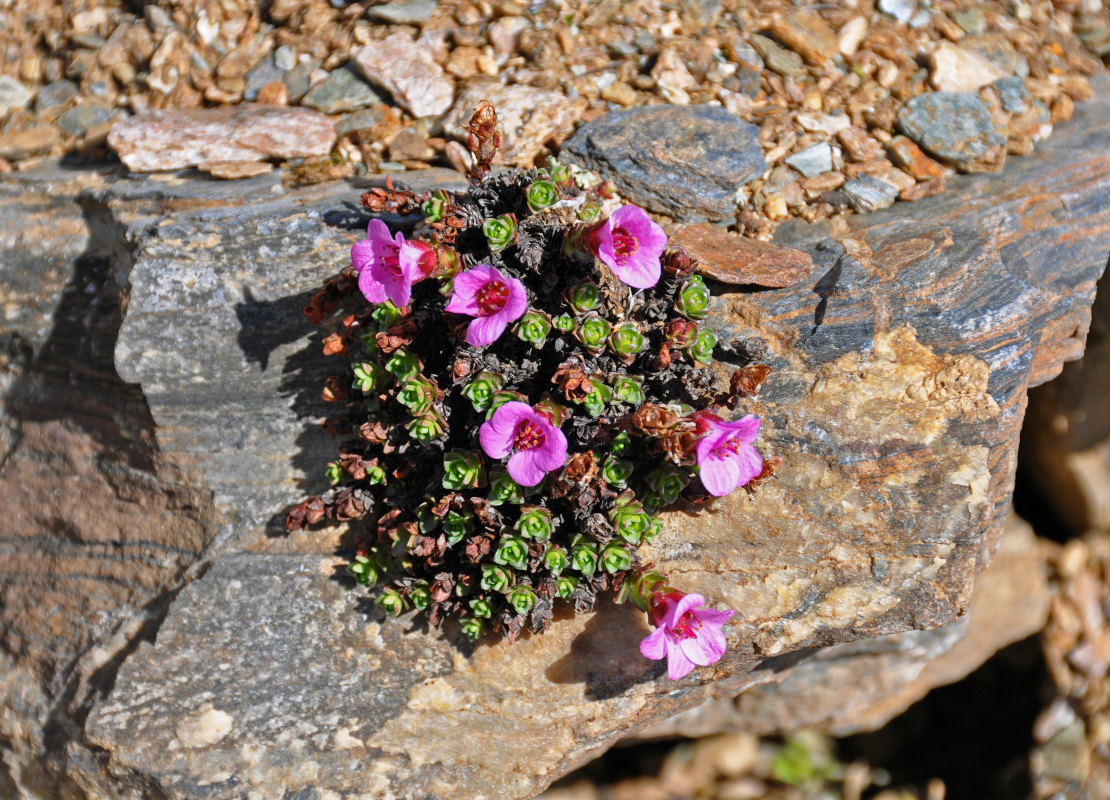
516 303
378 233
484 331
719 476
688 602
711 616
654 645
748 462
745 429
678 665
697 651
523 468
553 454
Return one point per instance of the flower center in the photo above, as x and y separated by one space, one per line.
729 447
624 243
391 261
492 297
527 436
685 627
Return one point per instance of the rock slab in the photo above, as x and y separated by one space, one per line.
683 161
405 70
157 141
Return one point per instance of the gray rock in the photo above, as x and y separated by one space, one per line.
341 91
265 71
972 20
746 54
13 94
901 10
54 94
683 161
81 118
298 80
776 57
814 160
362 119
645 42
1015 95
285 58
953 126
868 193
403 12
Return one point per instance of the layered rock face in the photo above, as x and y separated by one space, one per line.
161 394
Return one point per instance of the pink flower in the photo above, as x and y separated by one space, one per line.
631 245
387 267
493 299
534 446
725 453
687 634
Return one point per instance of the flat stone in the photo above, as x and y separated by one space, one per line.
406 71
13 94
1015 96
858 144
686 162
776 57
868 193
909 156
361 120
738 260
235 170
54 94
403 12
814 160
30 141
818 122
341 91
299 80
81 118
530 118
806 33
173 139
955 69
956 127
901 10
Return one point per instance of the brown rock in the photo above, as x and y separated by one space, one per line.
407 72
807 34
622 94
38 139
529 117
737 260
233 170
908 155
826 182
924 189
274 93
463 62
859 145
168 140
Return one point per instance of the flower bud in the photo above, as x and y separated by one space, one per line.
628 389
386 314
522 598
369 377
533 328
462 469
640 587
630 520
495 578
503 489
391 602
564 323
693 298
417 395
472 628
480 391
500 232
565 586
512 551
481 608
583 555
615 557
535 523
457 525
403 365
557 413
542 194
616 471
702 351
626 342
681 333
334 472
589 212
592 331
427 429
555 560
584 297
421 595
668 481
